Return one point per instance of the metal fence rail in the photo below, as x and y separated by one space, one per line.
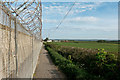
19 48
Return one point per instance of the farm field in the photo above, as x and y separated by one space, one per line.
110 47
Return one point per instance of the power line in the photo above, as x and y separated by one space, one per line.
65 16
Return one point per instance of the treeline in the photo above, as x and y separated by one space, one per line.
105 41
99 41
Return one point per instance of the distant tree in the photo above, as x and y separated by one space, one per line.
101 41
46 39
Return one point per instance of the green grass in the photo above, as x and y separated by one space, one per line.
110 47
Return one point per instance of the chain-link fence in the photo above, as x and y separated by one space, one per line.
19 49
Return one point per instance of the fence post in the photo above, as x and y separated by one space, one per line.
16 46
9 52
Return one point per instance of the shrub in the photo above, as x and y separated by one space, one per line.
106 63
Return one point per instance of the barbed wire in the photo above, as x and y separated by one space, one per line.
29 13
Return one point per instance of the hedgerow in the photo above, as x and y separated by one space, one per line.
97 62
71 70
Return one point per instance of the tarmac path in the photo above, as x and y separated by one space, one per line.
45 67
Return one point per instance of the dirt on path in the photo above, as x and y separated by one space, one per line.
45 67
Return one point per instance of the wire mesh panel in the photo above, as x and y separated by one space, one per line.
19 43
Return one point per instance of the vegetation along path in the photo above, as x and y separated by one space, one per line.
45 67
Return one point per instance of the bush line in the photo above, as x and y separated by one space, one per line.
71 70
96 62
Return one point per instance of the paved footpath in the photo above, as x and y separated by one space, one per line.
45 67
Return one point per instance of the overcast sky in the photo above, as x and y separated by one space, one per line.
86 20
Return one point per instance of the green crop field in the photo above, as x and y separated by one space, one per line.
110 47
